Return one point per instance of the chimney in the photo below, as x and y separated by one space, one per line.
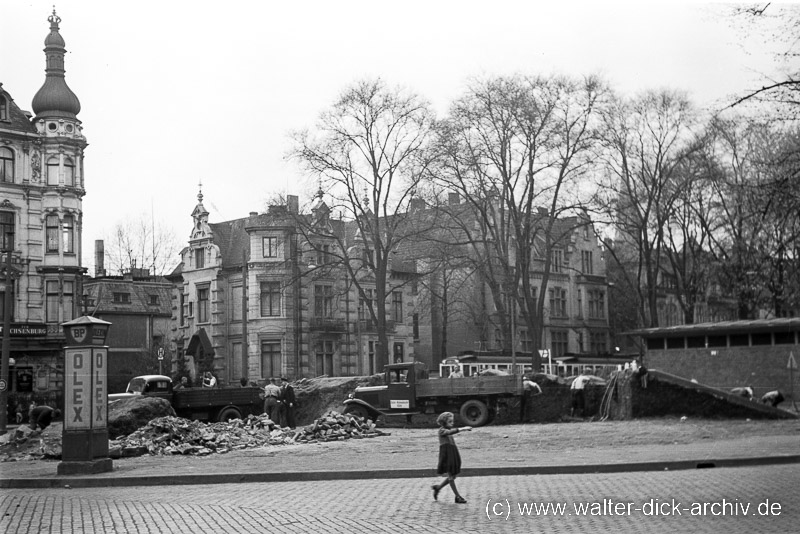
99 258
452 199
416 204
253 213
293 203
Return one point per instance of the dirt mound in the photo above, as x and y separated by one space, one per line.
125 416
320 395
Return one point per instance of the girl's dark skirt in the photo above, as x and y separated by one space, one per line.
449 460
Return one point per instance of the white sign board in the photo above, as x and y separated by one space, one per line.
86 388
78 383
396 404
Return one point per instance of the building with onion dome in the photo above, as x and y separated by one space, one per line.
41 214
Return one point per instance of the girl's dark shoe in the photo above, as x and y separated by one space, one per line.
461 500
435 492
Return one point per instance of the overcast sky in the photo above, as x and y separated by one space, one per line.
174 93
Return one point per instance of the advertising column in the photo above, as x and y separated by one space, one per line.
84 447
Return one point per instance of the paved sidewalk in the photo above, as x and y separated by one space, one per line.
400 455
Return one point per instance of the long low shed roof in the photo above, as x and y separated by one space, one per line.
724 327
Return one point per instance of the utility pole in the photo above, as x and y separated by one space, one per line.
7 303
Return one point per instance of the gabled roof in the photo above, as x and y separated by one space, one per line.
102 290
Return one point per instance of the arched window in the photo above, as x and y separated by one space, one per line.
6 165
69 172
52 170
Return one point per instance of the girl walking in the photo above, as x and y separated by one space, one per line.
449 458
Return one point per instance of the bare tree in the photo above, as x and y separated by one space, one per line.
753 219
368 152
515 148
778 26
645 140
140 243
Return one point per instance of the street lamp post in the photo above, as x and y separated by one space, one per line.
6 347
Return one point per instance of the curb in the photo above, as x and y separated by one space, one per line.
310 476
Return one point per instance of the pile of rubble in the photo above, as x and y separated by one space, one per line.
174 435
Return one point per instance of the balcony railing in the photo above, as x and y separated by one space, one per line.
328 324
369 326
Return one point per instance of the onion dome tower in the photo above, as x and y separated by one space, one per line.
55 99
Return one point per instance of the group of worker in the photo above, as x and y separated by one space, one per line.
280 402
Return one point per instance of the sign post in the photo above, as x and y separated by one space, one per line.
84 447
160 359
792 365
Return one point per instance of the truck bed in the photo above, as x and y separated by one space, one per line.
472 385
204 397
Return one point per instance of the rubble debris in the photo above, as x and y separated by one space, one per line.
174 435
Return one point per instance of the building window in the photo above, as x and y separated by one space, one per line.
397 306
52 170
597 304
586 262
199 258
153 300
323 255
181 310
559 343
51 300
323 301
202 304
3 109
6 165
68 234
557 263
122 298
51 230
525 342
324 351
558 302
270 359
69 172
237 293
598 342
7 229
68 299
365 302
269 247
270 299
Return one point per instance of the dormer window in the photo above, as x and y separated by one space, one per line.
199 258
3 108
122 298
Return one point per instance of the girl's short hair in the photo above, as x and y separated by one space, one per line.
443 417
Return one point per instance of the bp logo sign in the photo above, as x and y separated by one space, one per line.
79 333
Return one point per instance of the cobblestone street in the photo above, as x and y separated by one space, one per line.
745 499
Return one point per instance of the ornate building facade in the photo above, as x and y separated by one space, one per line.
41 214
256 298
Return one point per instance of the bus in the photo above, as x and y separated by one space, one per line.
472 363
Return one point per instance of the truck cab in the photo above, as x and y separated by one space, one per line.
150 385
397 395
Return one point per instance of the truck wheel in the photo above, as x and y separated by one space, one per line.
355 409
229 413
474 412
